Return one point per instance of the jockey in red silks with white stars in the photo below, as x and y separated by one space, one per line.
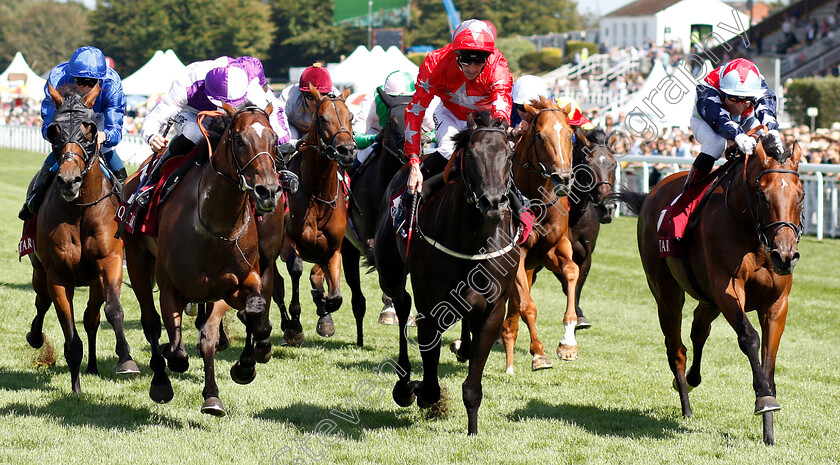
468 75
733 99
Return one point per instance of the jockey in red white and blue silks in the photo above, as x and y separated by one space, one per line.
731 100
468 75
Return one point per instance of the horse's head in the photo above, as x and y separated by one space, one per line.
486 164
72 134
331 129
249 144
594 169
393 140
776 200
548 142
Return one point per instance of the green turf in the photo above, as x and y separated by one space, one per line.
613 405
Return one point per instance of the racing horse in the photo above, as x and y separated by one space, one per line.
462 261
318 214
543 171
75 242
368 187
739 257
207 250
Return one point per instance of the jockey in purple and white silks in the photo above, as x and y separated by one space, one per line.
86 68
731 100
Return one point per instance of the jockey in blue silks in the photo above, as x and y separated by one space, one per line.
731 100
86 68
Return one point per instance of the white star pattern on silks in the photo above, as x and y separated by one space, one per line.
425 85
500 104
409 134
416 108
460 97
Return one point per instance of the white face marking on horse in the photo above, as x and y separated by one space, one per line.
559 128
784 184
258 128
601 159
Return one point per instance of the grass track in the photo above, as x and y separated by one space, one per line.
613 405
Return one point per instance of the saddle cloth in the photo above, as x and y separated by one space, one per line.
674 220
26 245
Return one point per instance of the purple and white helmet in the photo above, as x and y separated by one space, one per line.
227 84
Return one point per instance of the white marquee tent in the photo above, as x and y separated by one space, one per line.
19 80
155 76
365 69
664 99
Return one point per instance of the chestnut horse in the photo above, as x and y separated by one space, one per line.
207 250
76 244
462 260
739 257
543 172
368 186
318 213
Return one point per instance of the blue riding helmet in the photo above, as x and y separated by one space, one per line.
88 62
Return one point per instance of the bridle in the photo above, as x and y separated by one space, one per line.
469 192
399 153
239 176
537 166
328 149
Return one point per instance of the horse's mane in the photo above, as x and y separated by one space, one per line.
542 103
597 135
69 89
482 119
775 149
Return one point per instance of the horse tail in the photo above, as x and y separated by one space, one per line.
368 260
633 200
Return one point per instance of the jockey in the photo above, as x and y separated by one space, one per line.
299 103
526 88
468 75
371 117
207 85
732 99
86 68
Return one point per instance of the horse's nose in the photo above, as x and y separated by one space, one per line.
68 183
493 206
562 182
346 154
784 260
266 197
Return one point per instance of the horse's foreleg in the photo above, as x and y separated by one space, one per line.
568 348
250 298
528 310
294 331
772 326
112 286
63 300
584 266
171 306
403 395
263 340
704 314
669 300
333 300
350 258
428 392
484 335
208 342
91 321
35 337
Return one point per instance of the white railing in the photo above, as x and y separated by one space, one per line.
131 149
822 206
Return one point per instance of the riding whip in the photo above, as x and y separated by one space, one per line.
412 215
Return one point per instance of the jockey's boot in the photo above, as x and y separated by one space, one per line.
288 180
700 169
39 191
121 175
180 145
520 205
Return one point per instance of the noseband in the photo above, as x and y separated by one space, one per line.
328 149
470 194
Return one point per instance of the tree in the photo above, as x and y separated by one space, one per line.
47 33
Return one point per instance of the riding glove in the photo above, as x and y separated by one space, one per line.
745 143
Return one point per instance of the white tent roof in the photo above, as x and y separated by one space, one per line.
664 94
155 76
19 79
365 69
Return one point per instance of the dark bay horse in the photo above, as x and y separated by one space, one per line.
462 259
207 250
76 244
739 257
543 172
368 187
318 214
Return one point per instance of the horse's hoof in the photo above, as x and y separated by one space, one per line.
509 371
388 316
35 341
403 396
242 375
455 348
412 321
213 406
191 309
499 341
567 353
766 404
161 393
325 326
582 323
128 367
540 362
416 387
676 388
292 338
178 364
262 351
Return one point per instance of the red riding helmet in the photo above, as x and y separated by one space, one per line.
318 76
475 34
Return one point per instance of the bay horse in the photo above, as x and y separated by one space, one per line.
318 214
75 242
462 261
207 250
368 187
543 172
739 257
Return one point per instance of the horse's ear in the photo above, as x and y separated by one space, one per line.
90 98
567 109
314 92
795 155
471 121
759 151
55 95
385 97
531 112
269 109
581 137
345 94
228 109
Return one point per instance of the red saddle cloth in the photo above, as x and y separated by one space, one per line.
149 223
26 245
674 220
